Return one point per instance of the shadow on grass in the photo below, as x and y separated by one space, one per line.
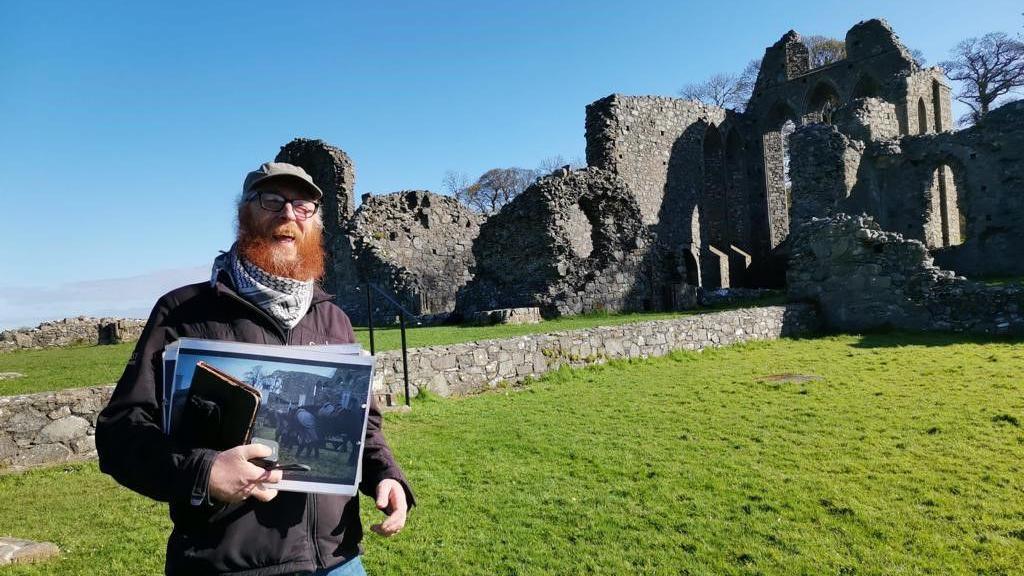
894 338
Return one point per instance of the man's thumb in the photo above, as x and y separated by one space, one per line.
382 497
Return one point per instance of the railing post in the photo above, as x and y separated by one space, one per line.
405 357
369 314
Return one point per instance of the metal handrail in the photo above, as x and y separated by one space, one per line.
402 311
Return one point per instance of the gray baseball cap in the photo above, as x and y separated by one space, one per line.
281 171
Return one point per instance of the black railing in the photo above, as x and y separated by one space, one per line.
370 288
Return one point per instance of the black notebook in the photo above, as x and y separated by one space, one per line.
219 412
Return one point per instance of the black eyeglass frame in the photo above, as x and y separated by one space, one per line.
258 194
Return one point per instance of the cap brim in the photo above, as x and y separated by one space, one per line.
302 183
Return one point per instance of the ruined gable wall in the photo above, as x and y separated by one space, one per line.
652 144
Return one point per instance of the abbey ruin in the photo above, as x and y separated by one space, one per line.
681 196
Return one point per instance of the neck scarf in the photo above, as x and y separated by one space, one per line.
285 299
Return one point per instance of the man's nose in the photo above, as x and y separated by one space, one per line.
288 212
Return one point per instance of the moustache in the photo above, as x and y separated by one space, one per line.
287 229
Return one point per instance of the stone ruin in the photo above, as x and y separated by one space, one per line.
80 330
573 242
682 198
865 278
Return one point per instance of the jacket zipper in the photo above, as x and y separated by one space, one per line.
310 498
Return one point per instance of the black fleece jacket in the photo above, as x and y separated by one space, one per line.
294 532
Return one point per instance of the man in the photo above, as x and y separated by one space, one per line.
228 518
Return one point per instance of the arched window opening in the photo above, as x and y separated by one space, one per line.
775 142
945 224
823 102
937 106
922 117
866 87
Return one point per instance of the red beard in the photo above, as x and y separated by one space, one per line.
258 246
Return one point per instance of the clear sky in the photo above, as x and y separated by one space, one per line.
127 127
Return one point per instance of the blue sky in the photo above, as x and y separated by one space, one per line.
127 127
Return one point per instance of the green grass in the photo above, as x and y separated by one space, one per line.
1001 280
74 367
60 368
904 454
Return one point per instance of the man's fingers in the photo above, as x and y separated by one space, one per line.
250 451
264 494
391 525
383 495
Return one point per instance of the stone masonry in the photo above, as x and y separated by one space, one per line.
571 243
417 244
70 331
960 193
56 427
50 427
864 278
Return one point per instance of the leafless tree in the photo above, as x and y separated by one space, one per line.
987 68
552 163
454 182
492 190
725 90
824 50
918 57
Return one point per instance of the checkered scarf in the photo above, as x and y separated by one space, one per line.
284 299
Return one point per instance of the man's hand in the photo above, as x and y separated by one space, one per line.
391 500
233 478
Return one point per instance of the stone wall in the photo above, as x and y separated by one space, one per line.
57 427
50 427
864 278
960 193
72 331
418 246
654 144
468 368
570 243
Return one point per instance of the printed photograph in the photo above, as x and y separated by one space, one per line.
313 405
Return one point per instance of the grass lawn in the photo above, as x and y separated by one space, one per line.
884 454
75 367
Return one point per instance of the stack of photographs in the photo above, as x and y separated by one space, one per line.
314 403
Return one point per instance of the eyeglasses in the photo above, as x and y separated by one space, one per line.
274 202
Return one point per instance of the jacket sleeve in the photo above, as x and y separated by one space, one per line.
130 440
378 462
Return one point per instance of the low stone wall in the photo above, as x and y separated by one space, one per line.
55 427
472 367
70 331
50 427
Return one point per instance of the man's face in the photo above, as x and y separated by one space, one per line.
282 243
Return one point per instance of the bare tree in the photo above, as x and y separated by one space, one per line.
552 163
725 90
987 68
454 182
492 190
824 50
918 57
